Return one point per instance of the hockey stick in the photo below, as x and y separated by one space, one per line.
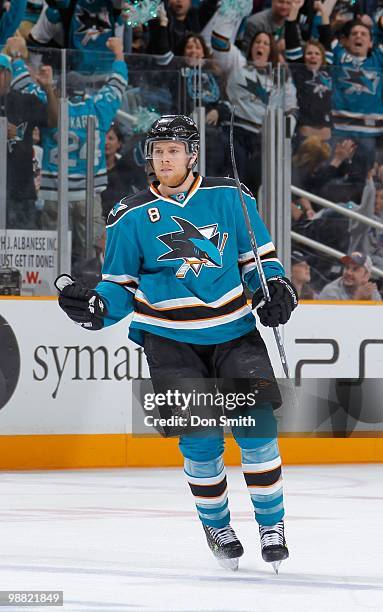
254 246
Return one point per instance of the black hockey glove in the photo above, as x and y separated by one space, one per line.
84 306
283 300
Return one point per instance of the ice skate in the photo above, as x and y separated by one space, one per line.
224 545
273 543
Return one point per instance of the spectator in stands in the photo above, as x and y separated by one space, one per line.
377 28
249 87
354 284
365 238
84 26
30 17
23 112
140 39
124 175
301 211
11 14
183 18
310 156
301 276
271 20
312 80
103 107
351 9
358 94
312 173
194 50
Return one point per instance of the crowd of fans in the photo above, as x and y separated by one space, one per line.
216 53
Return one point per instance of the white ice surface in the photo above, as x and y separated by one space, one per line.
129 539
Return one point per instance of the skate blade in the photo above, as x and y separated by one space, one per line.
276 565
230 564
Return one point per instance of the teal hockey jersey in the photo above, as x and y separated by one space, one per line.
103 106
179 263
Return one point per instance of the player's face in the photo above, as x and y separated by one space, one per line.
359 41
5 81
313 57
281 8
354 275
170 162
260 50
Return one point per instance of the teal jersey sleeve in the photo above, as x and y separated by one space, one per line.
108 100
121 269
23 82
271 265
10 20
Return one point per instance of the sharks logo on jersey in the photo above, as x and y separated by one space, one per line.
321 83
92 24
196 246
360 81
117 207
209 92
256 89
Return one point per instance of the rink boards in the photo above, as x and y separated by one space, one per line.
65 393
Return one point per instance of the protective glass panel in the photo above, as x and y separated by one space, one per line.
110 111
28 245
337 157
217 89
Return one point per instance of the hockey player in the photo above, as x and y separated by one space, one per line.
177 255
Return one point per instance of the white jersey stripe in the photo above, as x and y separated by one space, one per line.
265 248
271 259
192 301
245 256
252 265
196 324
248 268
119 278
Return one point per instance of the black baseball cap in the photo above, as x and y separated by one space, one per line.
298 257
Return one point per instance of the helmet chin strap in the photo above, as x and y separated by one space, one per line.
183 180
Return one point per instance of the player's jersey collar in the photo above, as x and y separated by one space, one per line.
193 189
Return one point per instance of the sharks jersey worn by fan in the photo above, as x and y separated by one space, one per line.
86 27
248 87
180 262
93 23
102 105
357 99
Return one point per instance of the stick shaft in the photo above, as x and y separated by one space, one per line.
254 246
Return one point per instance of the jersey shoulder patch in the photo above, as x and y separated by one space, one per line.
215 181
127 204
212 181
